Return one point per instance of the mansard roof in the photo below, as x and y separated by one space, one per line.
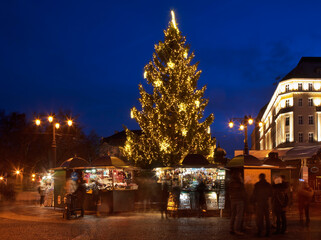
308 67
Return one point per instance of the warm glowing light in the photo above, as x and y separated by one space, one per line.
317 101
173 19
38 122
33 175
242 127
209 130
131 114
163 146
17 172
197 103
50 118
49 176
250 121
69 122
145 74
158 83
182 107
57 125
231 124
260 124
184 132
33 179
317 86
170 64
185 54
1 178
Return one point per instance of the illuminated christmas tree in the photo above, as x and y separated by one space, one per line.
172 111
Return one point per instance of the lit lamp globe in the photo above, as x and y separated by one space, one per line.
250 121
242 127
231 124
69 122
50 119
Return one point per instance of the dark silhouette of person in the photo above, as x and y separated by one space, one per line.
305 195
280 201
261 195
237 197
81 195
164 199
201 188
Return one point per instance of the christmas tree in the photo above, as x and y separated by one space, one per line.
171 114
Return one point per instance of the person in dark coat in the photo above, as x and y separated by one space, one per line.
261 195
81 195
164 199
201 188
279 203
237 198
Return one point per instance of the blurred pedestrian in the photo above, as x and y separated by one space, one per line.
164 199
201 188
81 195
237 198
42 193
305 195
262 194
279 203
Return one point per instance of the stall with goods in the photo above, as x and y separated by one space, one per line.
188 182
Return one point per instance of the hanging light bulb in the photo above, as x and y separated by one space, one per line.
241 127
231 124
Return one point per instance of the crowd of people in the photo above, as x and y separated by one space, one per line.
264 199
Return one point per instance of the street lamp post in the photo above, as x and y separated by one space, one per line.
55 125
244 122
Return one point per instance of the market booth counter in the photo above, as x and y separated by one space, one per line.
183 182
110 185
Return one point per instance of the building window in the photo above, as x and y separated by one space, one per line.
310 119
310 86
300 102
310 102
287 103
300 137
300 120
287 121
287 137
300 86
310 137
287 88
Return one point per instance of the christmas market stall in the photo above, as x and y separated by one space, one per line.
184 180
69 169
110 182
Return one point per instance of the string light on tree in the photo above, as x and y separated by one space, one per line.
172 122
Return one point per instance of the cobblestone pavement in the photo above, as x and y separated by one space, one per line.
32 222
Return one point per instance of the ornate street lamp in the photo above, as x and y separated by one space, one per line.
55 125
244 122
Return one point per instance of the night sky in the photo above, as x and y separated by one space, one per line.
88 56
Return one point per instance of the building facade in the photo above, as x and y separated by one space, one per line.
293 115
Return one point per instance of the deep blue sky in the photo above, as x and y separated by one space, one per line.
88 56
